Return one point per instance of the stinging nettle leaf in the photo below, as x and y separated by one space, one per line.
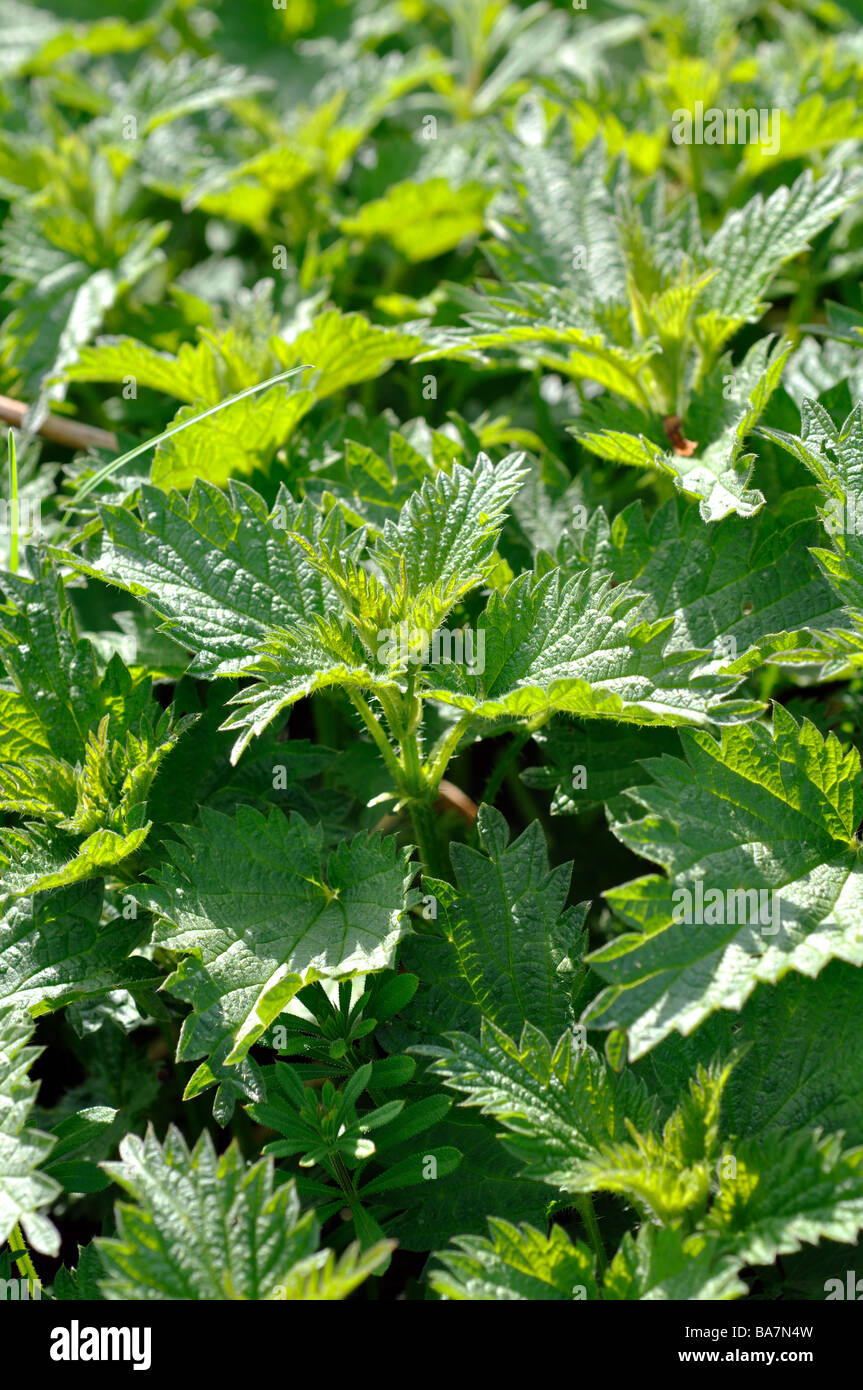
208 1226
258 910
513 949
577 646
24 1189
760 830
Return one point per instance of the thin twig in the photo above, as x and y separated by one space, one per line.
57 428
453 798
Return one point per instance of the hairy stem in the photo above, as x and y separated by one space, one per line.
20 1254
425 829
444 750
584 1207
386 750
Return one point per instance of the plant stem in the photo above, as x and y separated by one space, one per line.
20 1254
584 1207
343 1177
377 733
444 749
415 782
13 504
503 765
425 829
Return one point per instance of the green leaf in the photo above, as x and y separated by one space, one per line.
422 220
755 240
579 646
780 1081
238 440
834 453
93 804
592 764
24 1189
667 1177
82 1282
72 1160
443 544
766 823
718 472
558 1103
54 949
258 912
208 1226
661 1263
816 124
345 349
51 697
219 569
487 1179
789 1190
730 586
325 1278
514 949
516 1263
195 373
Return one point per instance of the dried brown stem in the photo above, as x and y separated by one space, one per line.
57 428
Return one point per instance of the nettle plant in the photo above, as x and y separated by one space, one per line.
430 709
256 909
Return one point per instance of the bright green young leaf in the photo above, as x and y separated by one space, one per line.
789 1189
422 220
516 1263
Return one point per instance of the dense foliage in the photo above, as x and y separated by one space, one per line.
432 687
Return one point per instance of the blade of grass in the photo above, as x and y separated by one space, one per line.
13 503
101 474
